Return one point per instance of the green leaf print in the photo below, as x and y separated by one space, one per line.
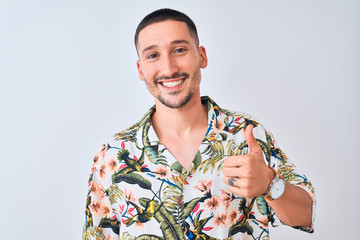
88 215
132 178
210 163
261 205
127 236
265 149
197 160
189 206
151 153
114 193
149 237
176 166
172 197
223 136
90 232
168 225
244 228
243 225
266 237
288 172
109 223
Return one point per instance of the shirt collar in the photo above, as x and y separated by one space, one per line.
149 137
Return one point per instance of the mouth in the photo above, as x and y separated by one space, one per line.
171 84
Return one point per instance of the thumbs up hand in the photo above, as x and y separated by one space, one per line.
248 175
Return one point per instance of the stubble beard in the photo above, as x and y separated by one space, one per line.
178 105
186 99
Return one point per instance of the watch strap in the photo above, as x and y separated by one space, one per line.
267 195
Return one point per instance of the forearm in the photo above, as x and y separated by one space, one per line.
294 207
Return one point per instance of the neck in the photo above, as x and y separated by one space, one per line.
180 122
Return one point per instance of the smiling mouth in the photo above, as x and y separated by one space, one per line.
172 83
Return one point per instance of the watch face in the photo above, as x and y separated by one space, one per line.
278 189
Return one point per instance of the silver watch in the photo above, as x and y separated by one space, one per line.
276 188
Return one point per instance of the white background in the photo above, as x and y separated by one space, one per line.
68 80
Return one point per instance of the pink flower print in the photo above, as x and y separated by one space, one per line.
129 194
220 220
97 190
264 222
102 171
110 238
162 172
106 211
212 203
218 125
225 199
93 187
112 164
232 216
204 185
95 163
96 160
102 151
101 194
95 207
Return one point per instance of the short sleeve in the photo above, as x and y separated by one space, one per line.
101 222
280 162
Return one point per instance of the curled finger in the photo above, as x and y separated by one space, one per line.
231 181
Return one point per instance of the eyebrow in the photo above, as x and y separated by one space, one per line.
173 42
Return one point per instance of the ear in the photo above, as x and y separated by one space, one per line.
138 65
203 57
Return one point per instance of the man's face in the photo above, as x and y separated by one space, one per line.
169 62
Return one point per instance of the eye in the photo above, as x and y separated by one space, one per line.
152 56
180 50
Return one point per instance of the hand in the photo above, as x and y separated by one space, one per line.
248 174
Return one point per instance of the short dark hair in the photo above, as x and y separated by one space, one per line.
163 15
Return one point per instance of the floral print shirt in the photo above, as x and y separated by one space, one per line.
138 190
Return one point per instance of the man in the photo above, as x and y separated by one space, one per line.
190 169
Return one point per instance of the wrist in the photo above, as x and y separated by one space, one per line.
276 186
270 175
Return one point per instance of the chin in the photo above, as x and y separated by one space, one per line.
176 104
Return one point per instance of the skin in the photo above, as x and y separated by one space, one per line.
168 55
167 49
253 177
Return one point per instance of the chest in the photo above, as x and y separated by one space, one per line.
183 151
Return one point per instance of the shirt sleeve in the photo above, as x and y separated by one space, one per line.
101 222
280 162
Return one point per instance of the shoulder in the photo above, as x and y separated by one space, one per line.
235 121
131 134
228 116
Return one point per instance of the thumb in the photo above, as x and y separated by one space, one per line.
250 139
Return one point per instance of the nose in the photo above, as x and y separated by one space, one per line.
169 66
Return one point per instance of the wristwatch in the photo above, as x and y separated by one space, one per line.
276 187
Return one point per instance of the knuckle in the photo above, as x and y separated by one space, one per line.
225 171
246 173
246 193
224 180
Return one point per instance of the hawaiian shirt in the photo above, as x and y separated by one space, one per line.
138 190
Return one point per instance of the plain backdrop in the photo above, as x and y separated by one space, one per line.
68 81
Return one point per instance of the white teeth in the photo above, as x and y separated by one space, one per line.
172 84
